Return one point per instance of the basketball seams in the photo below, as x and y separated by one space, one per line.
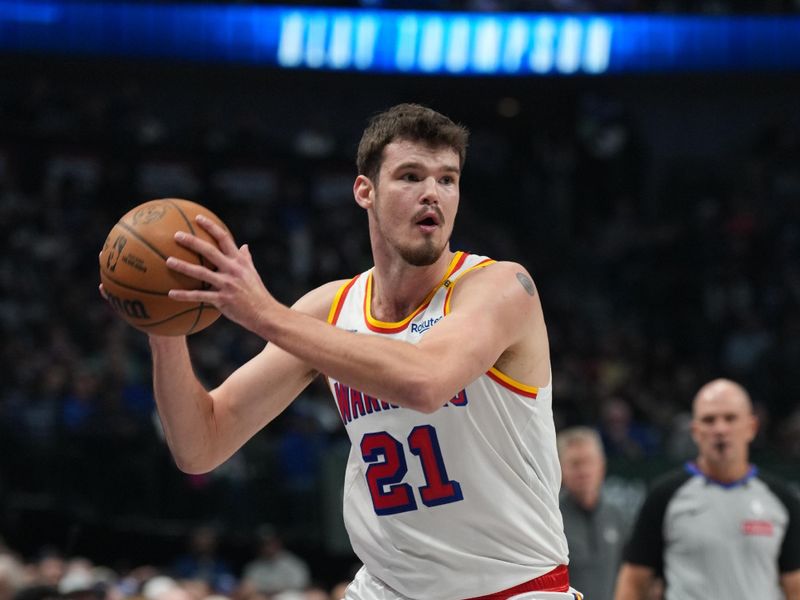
197 318
185 218
183 313
142 239
130 287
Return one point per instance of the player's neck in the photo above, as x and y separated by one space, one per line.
723 472
399 288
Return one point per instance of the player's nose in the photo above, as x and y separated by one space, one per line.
430 193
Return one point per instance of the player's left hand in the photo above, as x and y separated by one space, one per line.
236 288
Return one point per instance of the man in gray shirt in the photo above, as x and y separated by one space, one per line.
717 528
595 529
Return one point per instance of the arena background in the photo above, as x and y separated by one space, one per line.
658 212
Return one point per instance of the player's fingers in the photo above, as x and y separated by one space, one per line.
200 272
202 247
223 237
192 296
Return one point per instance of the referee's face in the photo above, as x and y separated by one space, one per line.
723 426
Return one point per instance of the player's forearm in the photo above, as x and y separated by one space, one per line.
633 582
393 371
627 592
790 583
184 406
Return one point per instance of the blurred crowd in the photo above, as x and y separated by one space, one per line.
655 276
199 573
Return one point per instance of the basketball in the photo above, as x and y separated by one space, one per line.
135 275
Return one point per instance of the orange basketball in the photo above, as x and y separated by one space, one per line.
135 275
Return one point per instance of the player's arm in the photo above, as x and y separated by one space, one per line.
790 583
789 556
634 582
204 428
492 312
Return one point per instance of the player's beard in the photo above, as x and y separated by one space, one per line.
423 255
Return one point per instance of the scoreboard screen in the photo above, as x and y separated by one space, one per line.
396 41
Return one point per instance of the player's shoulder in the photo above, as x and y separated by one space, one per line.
318 301
499 275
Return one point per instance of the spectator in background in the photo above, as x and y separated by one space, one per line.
595 529
203 562
622 435
275 569
717 528
12 575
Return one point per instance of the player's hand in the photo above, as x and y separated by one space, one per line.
100 286
236 287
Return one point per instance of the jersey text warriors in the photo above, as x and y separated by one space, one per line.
455 504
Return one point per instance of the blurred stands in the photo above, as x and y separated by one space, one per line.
659 218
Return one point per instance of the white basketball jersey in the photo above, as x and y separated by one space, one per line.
458 503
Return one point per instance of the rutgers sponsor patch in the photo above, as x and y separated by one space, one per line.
755 527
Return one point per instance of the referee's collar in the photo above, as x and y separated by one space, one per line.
692 468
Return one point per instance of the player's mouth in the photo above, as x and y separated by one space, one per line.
720 446
429 220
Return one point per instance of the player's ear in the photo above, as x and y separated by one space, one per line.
363 191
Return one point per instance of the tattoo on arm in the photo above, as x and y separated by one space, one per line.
527 283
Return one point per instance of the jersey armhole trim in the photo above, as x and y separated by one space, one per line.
338 300
494 373
512 384
450 284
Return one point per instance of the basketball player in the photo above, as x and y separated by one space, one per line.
439 365
717 528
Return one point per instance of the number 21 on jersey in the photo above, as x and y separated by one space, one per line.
387 468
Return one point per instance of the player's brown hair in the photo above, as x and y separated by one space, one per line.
412 122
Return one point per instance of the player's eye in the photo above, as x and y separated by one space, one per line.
410 177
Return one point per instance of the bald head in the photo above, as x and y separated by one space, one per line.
722 390
723 425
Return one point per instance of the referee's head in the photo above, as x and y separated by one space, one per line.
723 425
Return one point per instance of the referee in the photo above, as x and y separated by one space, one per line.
717 528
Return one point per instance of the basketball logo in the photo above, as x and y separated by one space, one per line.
149 214
115 252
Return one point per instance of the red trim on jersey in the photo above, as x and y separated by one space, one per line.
512 385
395 328
556 580
338 302
460 262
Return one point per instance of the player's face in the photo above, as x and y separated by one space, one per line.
582 468
723 425
416 199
